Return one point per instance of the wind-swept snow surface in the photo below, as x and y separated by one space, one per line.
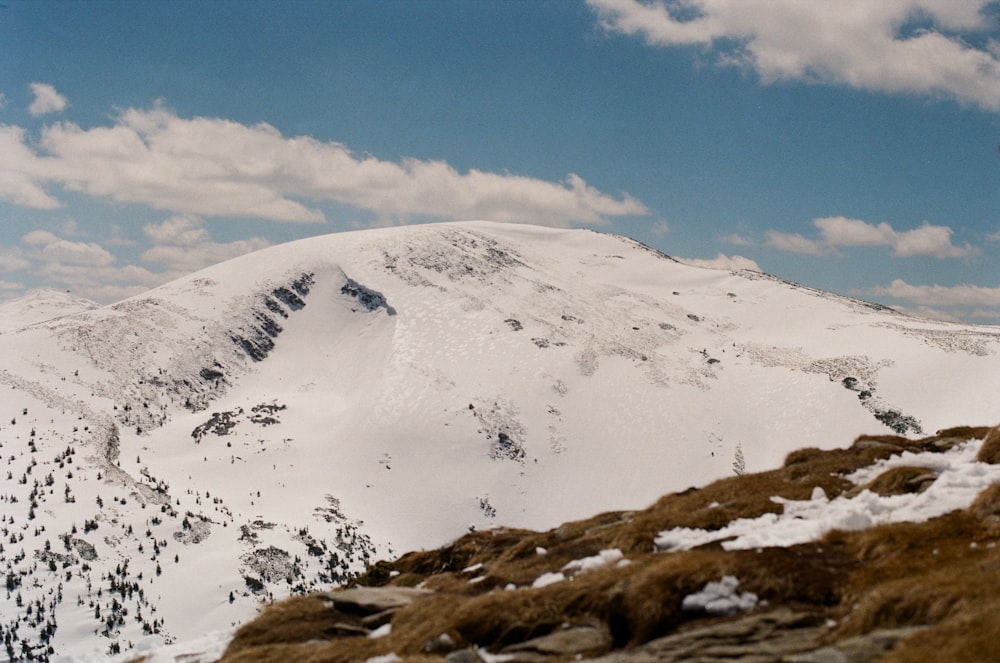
273 423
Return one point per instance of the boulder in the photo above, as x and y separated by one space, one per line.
568 641
373 600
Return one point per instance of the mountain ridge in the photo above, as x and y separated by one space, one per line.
292 414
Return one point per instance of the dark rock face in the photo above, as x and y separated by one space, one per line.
257 338
371 300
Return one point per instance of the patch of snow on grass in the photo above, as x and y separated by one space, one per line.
600 560
720 598
385 658
547 579
960 479
381 631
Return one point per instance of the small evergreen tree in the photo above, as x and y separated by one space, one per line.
739 463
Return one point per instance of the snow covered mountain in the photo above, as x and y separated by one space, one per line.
273 423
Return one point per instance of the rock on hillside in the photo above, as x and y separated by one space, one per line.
895 588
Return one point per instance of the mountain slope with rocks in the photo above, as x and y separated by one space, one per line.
868 574
273 424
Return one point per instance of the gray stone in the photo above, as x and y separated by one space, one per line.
757 638
464 656
343 628
862 649
379 618
582 639
373 600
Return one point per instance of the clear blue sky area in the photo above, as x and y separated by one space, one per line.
848 146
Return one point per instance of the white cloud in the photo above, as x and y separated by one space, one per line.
942 296
47 100
794 243
13 260
737 239
841 231
178 230
216 167
184 245
838 232
85 267
891 46
723 261
51 249
661 229
181 244
927 240
20 174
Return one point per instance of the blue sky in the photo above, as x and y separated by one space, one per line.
849 146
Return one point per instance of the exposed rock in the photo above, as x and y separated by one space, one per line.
373 600
582 639
86 550
377 619
464 656
862 649
343 628
370 299
756 638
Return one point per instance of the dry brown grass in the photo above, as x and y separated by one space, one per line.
944 573
990 451
902 480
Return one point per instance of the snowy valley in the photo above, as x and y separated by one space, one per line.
274 424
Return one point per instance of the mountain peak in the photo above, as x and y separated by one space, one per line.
41 305
277 422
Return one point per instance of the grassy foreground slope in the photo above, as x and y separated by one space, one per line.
910 591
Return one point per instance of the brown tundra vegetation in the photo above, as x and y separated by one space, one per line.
925 591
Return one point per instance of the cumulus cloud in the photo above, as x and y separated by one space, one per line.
737 239
180 244
919 47
216 167
839 232
723 261
47 100
20 172
85 267
52 249
183 244
927 240
13 260
794 243
969 296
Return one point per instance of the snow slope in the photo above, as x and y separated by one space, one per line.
41 306
272 423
